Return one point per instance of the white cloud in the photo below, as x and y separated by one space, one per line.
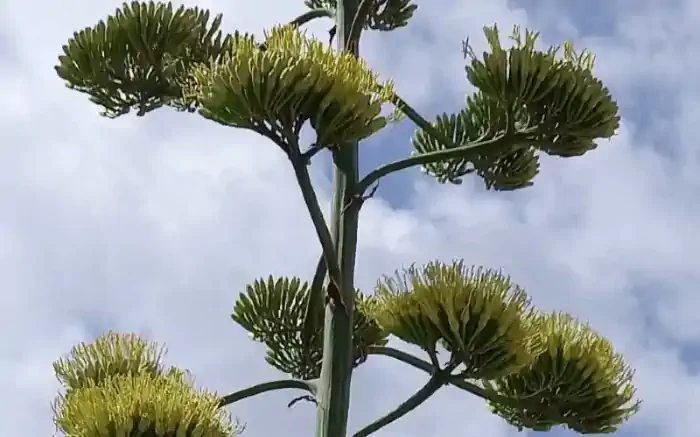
156 224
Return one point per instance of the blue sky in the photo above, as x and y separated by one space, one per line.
154 225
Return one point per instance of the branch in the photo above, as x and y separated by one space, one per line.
421 122
403 357
310 153
435 382
311 15
358 21
454 380
324 234
429 368
452 149
314 303
309 386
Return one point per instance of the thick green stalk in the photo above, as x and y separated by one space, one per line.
333 395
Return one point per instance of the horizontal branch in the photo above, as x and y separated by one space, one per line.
428 158
452 150
458 381
402 356
429 368
312 15
281 384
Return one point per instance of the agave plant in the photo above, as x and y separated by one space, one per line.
476 326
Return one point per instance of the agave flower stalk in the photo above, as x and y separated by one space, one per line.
475 325
336 370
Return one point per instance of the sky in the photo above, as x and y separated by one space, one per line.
155 224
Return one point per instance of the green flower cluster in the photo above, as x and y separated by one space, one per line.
117 387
